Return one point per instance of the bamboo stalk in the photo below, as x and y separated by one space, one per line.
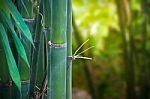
26 10
127 49
144 78
69 51
35 55
41 67
57 50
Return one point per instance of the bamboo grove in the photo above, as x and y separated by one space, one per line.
36 49
35 42
134 29
135 54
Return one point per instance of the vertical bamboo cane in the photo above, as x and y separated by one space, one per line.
41 68
127 49
58 50
26 10
69 51
144 78
35 54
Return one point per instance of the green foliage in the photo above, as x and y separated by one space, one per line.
94 20
55 57
97 20
18 44
13 70
18 20
8 8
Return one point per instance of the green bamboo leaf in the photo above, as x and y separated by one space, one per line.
18 44
19 20
25 7
13 70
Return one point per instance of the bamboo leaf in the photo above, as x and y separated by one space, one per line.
13 70
25 7
19 21
18 44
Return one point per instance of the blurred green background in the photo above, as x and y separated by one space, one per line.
119 30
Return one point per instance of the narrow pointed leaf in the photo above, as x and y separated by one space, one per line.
18 44
19 20
13 70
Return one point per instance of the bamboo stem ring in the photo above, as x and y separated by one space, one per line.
25 81
8 84
30 21
45 29
57 45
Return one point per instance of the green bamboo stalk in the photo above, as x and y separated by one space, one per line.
144 77
132 54
69 51
41 67
57 50
37 35
127 49
26 9
46 27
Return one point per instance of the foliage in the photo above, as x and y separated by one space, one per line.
49 73
9 8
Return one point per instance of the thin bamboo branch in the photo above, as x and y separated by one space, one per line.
85 66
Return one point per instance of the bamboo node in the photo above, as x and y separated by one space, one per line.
45 29
32 20
57 45
9 84
77 56
25 81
